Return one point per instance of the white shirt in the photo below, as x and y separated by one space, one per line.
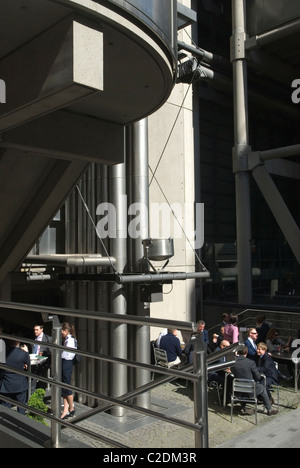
70 342
38 347
253 343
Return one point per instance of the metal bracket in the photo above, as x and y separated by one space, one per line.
238 46
240 158
254 160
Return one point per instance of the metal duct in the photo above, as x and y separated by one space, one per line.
77 260
160 277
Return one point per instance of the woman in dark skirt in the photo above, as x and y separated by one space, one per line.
68 335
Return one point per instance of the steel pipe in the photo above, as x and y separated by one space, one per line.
160 277
77 260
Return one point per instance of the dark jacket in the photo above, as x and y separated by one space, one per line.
251 350
43 348
171 344
10 382
267 366
246 369
263 333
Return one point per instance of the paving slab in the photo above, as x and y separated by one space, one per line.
282 432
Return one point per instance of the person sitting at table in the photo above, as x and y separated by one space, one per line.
251 344
189 349
171 344
266 366
219 376
276 344
246 369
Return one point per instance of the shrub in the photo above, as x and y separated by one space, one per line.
37 402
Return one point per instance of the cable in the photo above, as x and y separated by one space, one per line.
153 172
171 133
96 230
175 217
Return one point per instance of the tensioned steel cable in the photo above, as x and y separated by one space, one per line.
153 172
96 229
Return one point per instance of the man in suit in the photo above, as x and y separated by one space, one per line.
40 337
40 349
267 366
246 369
251 344
189 349
15 386
263 329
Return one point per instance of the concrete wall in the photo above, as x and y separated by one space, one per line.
175 175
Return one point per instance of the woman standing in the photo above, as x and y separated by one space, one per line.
231 331
69 337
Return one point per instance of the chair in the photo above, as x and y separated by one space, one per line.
161 358
218 387
276 387
243 391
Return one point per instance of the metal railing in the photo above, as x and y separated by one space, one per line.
287 323
196 373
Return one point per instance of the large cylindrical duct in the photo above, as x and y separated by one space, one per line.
138 200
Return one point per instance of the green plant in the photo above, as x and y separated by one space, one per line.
37 402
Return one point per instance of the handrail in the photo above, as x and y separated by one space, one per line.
101 316
199 375
277 317
101 357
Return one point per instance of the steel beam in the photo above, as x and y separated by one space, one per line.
241 151
279 208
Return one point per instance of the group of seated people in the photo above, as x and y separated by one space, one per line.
246 367
169 342
253 361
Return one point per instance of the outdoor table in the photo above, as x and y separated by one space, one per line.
35 360
286 358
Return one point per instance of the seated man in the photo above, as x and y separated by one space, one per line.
219 376
171 344
251 344
189 349
246 369
267 366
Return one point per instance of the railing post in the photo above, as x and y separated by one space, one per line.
200 394
56 375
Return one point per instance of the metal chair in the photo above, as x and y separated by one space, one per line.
218 387
161 358
243 391
276 387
